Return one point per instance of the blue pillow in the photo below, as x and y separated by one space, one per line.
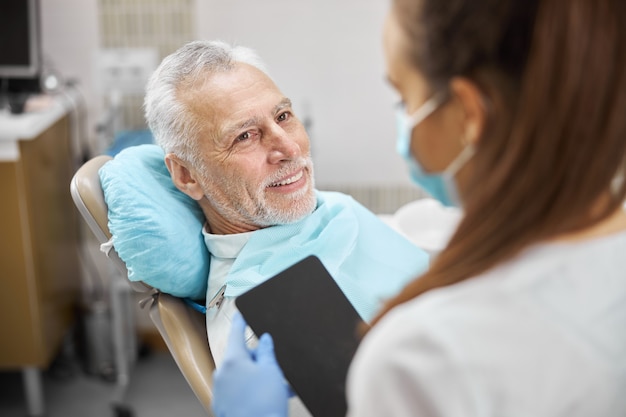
156 228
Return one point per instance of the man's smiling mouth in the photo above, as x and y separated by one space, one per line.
289 180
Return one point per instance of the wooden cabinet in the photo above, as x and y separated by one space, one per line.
39 265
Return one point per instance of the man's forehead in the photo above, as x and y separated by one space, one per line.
218 87
226 101
240 77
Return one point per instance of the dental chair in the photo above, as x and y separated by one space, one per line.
182 327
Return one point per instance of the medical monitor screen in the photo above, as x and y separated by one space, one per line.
19 38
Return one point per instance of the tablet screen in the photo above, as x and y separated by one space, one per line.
314 327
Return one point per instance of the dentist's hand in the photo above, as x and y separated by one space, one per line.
249 383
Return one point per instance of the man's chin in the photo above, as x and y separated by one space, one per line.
295 211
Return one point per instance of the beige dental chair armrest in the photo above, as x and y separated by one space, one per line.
190 349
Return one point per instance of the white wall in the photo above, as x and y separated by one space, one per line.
70 36
326 55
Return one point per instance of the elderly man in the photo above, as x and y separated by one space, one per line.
233 143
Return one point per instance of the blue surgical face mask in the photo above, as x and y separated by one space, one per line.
441 185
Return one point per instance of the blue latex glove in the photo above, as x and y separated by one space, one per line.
249 383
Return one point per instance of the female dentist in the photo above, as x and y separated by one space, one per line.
516 110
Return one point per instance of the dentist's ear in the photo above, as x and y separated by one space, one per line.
182 177
474 108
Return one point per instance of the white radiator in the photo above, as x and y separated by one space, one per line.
379 199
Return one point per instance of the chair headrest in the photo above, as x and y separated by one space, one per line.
156 228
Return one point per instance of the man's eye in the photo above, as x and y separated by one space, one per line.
243 136
284 116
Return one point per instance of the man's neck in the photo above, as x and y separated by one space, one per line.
216 225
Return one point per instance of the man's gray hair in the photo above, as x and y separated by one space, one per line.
172 126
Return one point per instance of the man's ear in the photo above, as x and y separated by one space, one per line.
182 177
473 107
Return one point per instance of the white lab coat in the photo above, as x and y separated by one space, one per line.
542 335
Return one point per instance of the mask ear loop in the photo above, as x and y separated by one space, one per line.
450 173
426 109
466 154
469 148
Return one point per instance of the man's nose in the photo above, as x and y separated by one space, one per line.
282 146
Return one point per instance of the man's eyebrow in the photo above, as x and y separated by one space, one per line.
284 103
232 129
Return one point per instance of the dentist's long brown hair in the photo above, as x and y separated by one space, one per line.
554 72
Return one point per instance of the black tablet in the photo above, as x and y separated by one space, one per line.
314 328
